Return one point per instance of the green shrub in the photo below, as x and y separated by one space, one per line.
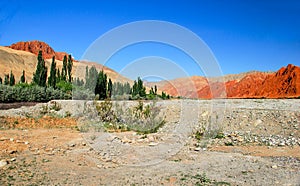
64 86
140 118
30 93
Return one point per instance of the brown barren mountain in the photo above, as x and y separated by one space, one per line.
185 86
18 60
35 46
285 83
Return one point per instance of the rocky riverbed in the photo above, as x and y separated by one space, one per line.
208 142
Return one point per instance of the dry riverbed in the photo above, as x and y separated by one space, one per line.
258 143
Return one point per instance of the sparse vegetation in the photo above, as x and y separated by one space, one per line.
140 118
201 179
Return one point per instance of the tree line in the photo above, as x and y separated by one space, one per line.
61 85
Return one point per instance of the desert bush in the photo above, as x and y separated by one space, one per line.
105 111
55 106
212 129
140 118
144 118
80 93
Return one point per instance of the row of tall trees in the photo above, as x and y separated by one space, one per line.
138 88
96 83
121 88
9 79
42 88
104 88
40 75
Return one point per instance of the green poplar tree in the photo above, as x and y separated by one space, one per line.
109 88
6 79
69 68
52 77
64 69
135 90
101 85
91 80
141 88
12 80
40 75
86 76
22 79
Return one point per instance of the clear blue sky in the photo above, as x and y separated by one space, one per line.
243 35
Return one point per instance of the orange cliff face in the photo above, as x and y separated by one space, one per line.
35 46
215 90
201 87
284 83
247 87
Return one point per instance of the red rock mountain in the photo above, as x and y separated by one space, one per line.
35 46
185 87
19 60
285 83
246 87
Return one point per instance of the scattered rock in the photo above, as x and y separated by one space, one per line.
257 122
3 163
12 151
3 139
126 140
197 149
152 144
281 144
151 138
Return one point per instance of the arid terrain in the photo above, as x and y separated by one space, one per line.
284 83
23 56
258 143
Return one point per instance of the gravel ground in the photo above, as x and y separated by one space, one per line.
259 145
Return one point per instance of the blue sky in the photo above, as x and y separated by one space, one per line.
243 35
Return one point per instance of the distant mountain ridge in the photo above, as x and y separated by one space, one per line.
17 60
285 83
36 46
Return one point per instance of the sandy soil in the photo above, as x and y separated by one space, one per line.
52 151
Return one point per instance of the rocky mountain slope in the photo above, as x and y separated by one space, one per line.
35 46
285 83
19 60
